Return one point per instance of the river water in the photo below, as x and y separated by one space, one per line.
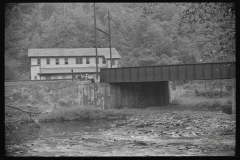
151 135
30 131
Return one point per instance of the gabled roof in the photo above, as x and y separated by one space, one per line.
65 52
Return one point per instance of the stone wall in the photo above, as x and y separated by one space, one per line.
119 95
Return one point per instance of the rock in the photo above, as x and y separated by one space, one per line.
188 128
181 148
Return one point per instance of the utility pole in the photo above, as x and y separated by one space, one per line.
72 75
110 40
96 42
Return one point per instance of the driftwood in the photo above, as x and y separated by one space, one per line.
22 110
29 112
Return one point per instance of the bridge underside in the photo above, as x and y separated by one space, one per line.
139 95
152 87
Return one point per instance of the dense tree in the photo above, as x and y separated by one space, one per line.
169 34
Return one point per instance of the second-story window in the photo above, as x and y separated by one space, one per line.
48 60
66 60
87 61
39 61
57 61
79 61
104 60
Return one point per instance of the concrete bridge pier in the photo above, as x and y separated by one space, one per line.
140 94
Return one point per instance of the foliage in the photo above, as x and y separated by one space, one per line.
171 33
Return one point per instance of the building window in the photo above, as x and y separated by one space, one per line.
48 77
66 60
35 77
79 61
97 60
113 62
104 60
87 61
64 77
57 61
48 60
39 61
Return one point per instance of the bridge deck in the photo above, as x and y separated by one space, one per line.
198 71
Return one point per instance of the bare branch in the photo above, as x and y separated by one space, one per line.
22 110
26 112
33 120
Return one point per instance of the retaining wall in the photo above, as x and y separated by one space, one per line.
119 95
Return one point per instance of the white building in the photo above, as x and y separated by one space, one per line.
58 63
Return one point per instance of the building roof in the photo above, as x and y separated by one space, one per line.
68 70
62 52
